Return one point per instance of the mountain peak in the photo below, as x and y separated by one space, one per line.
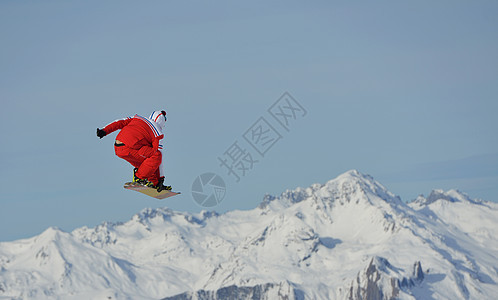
351 186
354 174
50 234
356 183
451 196
366 182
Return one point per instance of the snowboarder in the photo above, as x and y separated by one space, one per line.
138 144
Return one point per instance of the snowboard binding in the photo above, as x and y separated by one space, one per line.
160 186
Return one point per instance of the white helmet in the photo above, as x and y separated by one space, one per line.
159 116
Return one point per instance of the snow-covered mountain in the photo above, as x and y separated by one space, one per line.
347 239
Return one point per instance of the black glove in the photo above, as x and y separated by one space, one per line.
101 133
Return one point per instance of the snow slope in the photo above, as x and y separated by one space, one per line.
347 239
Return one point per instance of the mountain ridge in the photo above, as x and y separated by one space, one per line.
349 238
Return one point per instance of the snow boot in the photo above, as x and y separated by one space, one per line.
161 187
140 180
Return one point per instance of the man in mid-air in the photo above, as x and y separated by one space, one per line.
138 144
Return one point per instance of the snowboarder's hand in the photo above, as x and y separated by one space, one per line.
101 133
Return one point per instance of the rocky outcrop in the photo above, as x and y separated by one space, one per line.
382 281
269 291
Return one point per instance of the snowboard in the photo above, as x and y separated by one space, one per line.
149 191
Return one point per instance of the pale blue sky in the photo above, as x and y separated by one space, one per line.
406 92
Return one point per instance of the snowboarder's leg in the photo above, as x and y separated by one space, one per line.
131 156
149 169
146 160
128 154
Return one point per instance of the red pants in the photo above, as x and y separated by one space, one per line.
146 159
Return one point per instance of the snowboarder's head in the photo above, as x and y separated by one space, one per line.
159 116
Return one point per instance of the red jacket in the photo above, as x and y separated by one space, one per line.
137 132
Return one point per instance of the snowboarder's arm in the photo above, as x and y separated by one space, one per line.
155 142
118 124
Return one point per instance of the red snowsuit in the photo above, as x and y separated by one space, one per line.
140 145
